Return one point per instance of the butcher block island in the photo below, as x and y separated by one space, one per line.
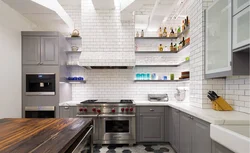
53 135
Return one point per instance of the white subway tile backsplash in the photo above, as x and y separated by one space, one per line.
101 29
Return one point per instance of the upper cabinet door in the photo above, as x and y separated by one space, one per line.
49 50
239 5
241 29
218 39
31 50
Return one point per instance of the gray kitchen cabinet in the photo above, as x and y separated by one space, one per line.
201 141
67 112
150 124
49 50
239 5
222 27
241 30
185 133
31 50
218 32
175 122
40 49
194 135
218 148
167 124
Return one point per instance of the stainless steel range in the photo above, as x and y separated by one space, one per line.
114 120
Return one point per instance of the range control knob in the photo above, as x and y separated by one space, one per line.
127 109
80 109
122 109
94 109
131 109
85 109
98 111
113 110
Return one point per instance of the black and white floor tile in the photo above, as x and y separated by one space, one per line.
157 148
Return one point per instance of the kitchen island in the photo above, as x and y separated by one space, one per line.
43 135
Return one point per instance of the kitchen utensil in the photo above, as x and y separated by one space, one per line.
74 48
158 97
211 98
75 33
180 95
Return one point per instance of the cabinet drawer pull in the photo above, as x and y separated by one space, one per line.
66 107
151 110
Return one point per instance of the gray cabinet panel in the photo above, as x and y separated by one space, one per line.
49 50
201 141
176 129
152 109
151 127
67 112
31 50
185 133
217 148
167 124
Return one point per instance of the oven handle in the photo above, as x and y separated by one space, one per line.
86 116
120 115
84 138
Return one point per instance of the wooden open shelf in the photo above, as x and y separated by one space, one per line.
161 80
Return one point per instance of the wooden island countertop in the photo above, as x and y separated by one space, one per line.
40 135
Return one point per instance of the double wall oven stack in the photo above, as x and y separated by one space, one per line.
114 120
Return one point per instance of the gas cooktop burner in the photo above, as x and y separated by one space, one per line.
95 101
90 101
126 101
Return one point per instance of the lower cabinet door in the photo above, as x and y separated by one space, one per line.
176 129
67 112
151 127
217 148
185 133
201 141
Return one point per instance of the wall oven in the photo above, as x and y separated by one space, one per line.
117 129
40 84
40 112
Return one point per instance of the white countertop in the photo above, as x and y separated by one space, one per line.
70 103
209 115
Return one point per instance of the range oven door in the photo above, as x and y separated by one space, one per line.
40 84
117 129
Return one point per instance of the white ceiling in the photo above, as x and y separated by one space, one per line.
161 12
70 2
42 17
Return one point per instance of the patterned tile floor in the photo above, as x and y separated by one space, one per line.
158 148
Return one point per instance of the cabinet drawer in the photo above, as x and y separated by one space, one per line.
149 109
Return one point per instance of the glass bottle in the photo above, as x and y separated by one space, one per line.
137 34
160 32
160 48
179 30
142 33
165 32
171 47
183 41
183 25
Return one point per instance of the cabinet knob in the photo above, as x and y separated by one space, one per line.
151 110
